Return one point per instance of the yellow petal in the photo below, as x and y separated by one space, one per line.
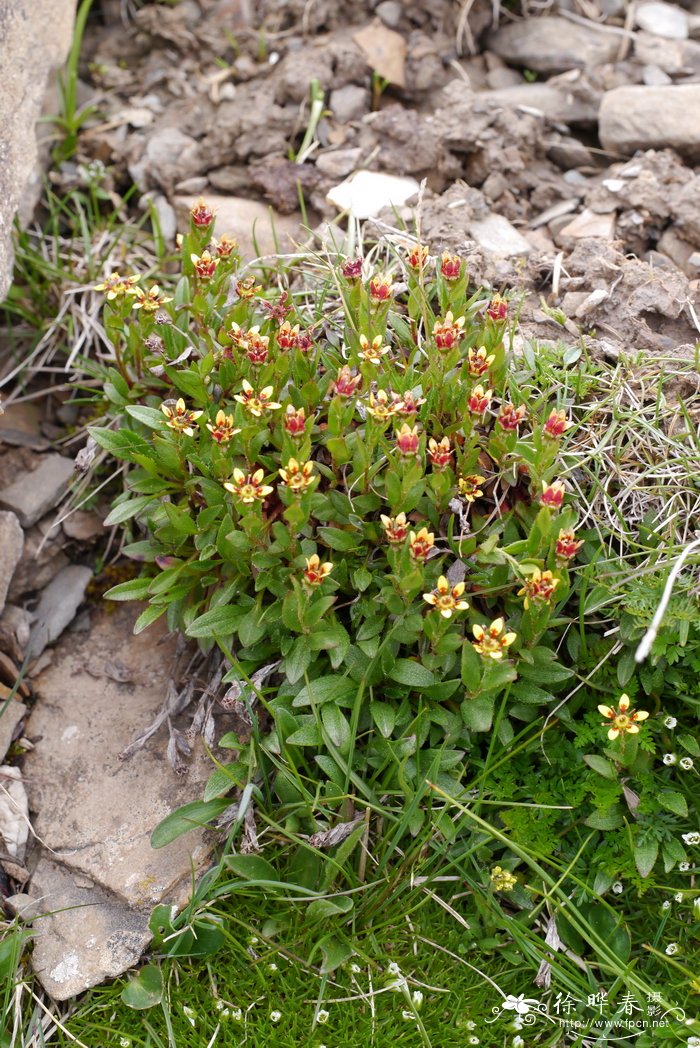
430 598
497 626
446 613
257 476
641 715
624 703
478 632
458 589
613 734
508 639
633 729
606 711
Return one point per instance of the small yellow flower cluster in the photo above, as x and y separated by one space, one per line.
502 880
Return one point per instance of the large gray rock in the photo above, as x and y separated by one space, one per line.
553 44
95 813
560 104
58 606
640 117
34 39
11 546
662 19
34 494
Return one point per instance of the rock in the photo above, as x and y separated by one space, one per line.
679 251
11 714
250 222
57 607
498 237
553 44
338 162
14 812
349 103
36 35
97 812
41 561
662 19
166 218
82 526
390 13
568 152
639 117
673 57
169 157
655 77
559 105
365 193
15 628
34 494
280 181
589 224
11 545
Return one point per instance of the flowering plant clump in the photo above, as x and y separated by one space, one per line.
355 494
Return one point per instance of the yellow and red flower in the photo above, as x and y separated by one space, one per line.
248 487
408 440
225 246
395 528
511 417
346 384
538 588
115 286
287 335
450 266
440 452
622 720
567 545
556 425
421 544
294 421
256 346
446 598
256 403
492 641
204 265
179 417
315 572
470 487
417 256
406 403
380 407
298 476
552 494
478 361
372 351
150 301
304 341
247 288
497 308
479 400
222 429
448 332
380 289
201 214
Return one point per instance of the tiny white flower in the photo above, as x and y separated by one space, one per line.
519 1004
237 1014
686 763
691 838
407 1015
670 722
683 866
253 940
219 1005
355 969
190 1014
272 967
678 896
518 1042
696 906
693 1042
469 1025
618 887
225 1013
275 1017
473 1040
417 998
666 904
669 758
124 1042
672 948
393 968
322 1016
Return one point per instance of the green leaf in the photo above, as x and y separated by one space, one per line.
306 735
126 510
325 689
201 940
672 801
321 908
334 953
526 691
337 727
497 674
412 674
690 743
148 616
151 417
472 667
298 661
188 817
384 716
645 855
600 765
340 540
605 820
477 713
134 589
252 868
144 990
219 622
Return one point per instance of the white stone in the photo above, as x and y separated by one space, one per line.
34 494
11 546
57 607
590 224
498 237
366 193
640 117
553 44
251 222
663 20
